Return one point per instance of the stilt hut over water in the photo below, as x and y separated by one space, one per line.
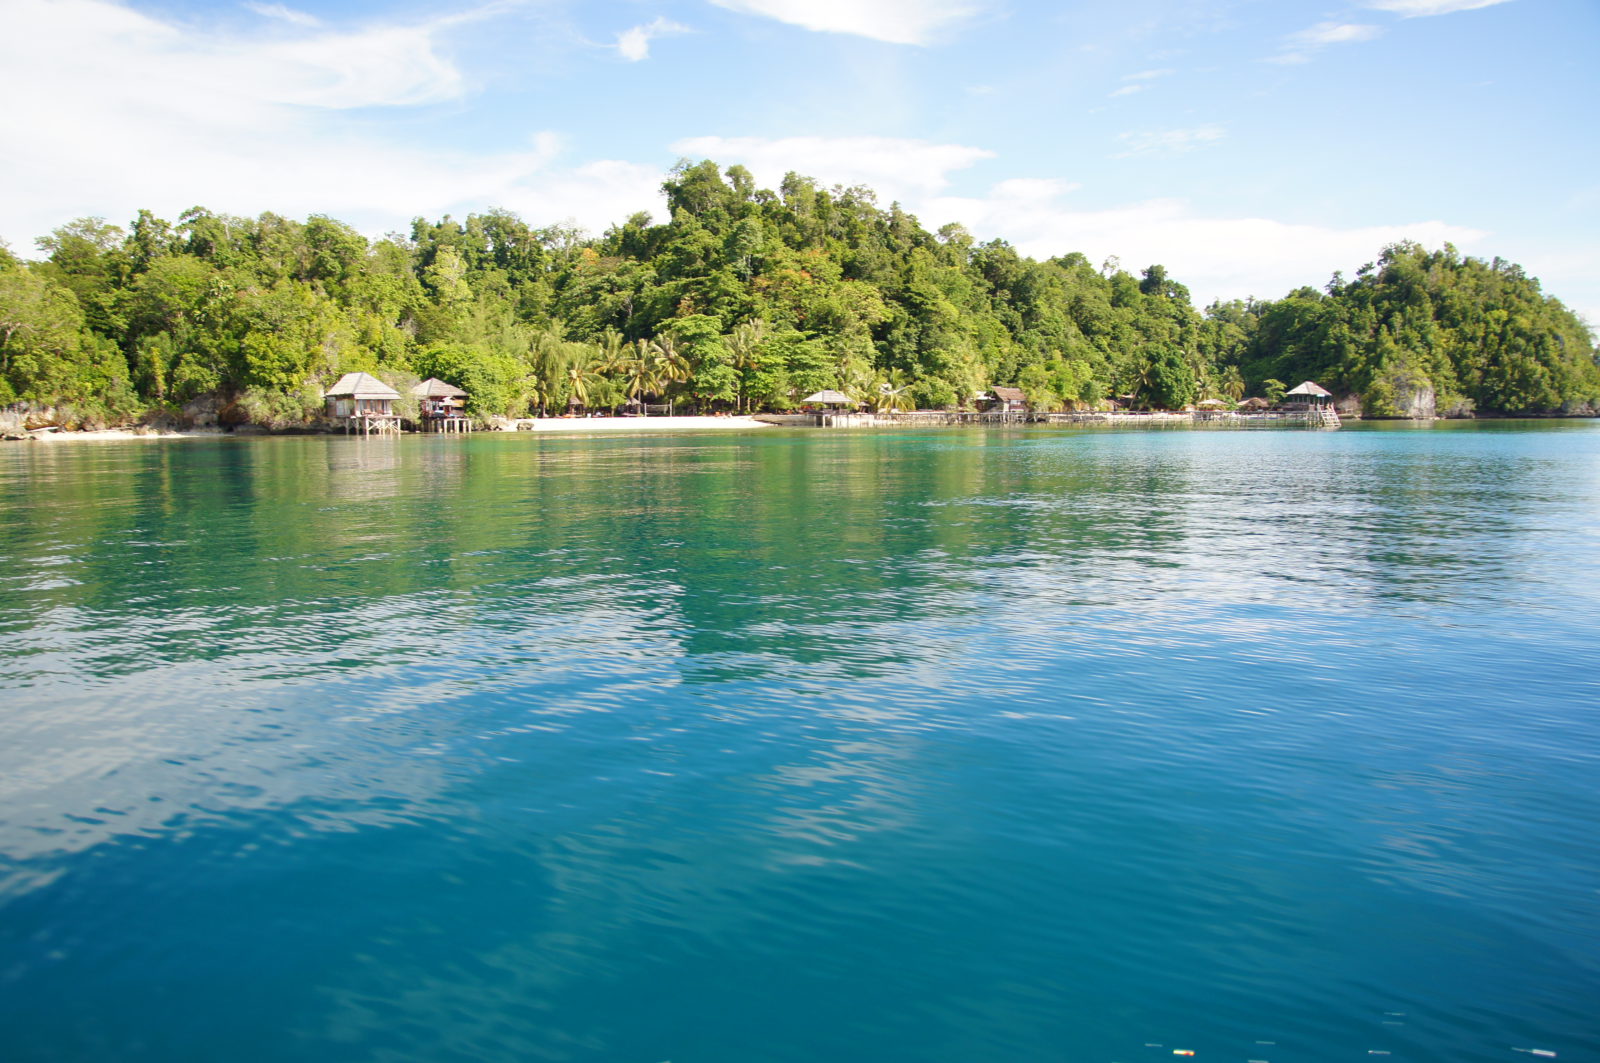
835 404
831 398
1004 400
363 403
441 406
1310 394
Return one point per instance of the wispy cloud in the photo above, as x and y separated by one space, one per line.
1167 141
1217 257
286 14
1299 47
892 21
243 125
634 45
1423 8
1135 83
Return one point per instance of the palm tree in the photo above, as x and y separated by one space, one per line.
638 374
610 358
1233 383
1144 374
891 392
745 344
668 364
548 354
582 369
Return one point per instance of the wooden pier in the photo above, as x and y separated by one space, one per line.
1311 417
367 424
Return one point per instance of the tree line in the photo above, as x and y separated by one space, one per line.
744 299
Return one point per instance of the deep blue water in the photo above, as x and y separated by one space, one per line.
1041 745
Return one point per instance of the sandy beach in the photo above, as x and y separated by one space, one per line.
544 424
113 435
641 424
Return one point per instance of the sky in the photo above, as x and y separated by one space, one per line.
1250 146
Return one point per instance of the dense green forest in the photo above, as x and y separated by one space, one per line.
745 299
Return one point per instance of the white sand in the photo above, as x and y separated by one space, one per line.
543 424
641 424
116 434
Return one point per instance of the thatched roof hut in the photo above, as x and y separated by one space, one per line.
1007 399
363 401
361 386
1309 392
829 397
1254 403
434 388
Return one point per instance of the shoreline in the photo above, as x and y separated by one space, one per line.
527 425
637 424
611 425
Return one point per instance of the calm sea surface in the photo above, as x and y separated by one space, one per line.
1037 745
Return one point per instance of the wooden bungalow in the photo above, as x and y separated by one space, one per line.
830 397
1309 394
441 407
1005 400
363 403
1254 404
837 408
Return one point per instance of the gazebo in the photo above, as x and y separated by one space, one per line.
830 397
1311 394
364 403
441 406
842 405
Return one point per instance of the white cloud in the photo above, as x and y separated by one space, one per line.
634 44
1423 8
1325 33
287 14
1137 82
895 168
893 21
1299 46
1216 257
1168 141
126 110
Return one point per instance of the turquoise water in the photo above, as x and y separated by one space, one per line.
1064 745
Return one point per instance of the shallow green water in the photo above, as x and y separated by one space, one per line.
951 745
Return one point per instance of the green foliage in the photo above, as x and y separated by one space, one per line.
1472 334
1171 382
747 299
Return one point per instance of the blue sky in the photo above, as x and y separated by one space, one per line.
1249 146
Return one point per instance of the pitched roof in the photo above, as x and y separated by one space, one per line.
1308 388
361 386
1253 403
830 397
434 388
1009 394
